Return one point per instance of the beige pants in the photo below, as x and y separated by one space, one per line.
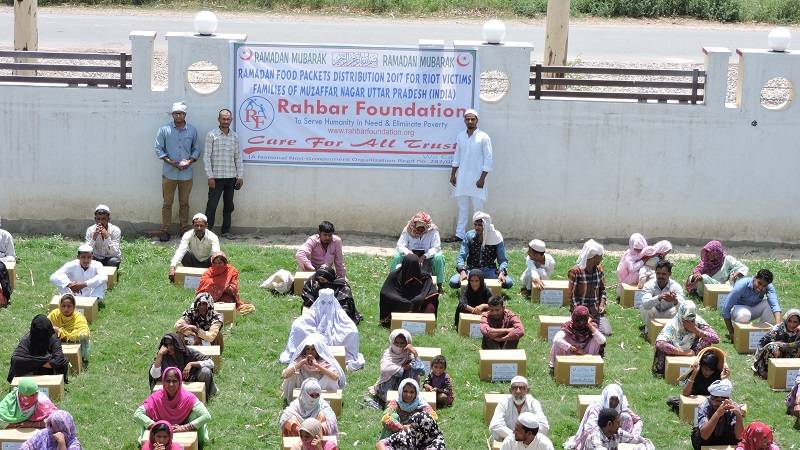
168 191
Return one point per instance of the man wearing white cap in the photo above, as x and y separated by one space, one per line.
196 247
519 402
718 420
540 266
7 252
472 161
82 276
526 435
176 145
104 238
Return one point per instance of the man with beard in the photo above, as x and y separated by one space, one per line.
507 412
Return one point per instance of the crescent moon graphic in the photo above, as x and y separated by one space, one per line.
245 54
463 59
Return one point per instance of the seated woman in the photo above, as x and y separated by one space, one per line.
420 237
399 361
161 437
783 341
651 257
398 412
578 336
175 405
39 352
70 325
423 434
201 324
715 268
474 298
408 289
793 400
221 280
325 278
326 317
685 335
312 359
308 404
59 434
25 406
631 261
708 367
173 352
311 437
611 397
757 436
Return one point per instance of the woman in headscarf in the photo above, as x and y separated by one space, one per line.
71 325
25 406
325 278
59 433
631 261
474 298
685 335
160 438
221 280
399 361
201 324
175 405
793 399
611 397
651 256
715 267
578 336
782 341
311 437
39 352
757 436
326 317
708 367
312 359
173 352
587 284
398 412
420 237
308 404
423 434
408 289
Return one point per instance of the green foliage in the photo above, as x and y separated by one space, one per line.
528 8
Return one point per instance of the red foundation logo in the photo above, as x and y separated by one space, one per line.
245 54
256 113
463 59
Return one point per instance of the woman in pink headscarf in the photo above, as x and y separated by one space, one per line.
715 267
631 261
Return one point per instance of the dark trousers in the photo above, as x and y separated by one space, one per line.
489 344
110 261
223 188
189 260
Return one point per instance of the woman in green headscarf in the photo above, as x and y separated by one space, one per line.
25 406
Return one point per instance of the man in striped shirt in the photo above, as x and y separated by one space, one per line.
223 163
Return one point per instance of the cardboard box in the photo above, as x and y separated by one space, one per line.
188 277
198 388
686 411
111 273
584 370
492 283
88 306
676 366
52 385
212 351
228 311
188 439
13 438
300 279
414 323
631 296
549 326
747 335
502 365
73 355
583 402
338 352
426 354
429 397
782 372
334 398
289 441
550 294
469 325
490 402
654 328
714 295
11 268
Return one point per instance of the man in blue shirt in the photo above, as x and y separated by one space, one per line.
752 298
176 145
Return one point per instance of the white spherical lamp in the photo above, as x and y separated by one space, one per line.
779 39
494 31
205 23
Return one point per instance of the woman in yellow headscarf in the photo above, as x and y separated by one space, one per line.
71 325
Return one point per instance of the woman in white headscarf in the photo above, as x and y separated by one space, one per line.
308 404
312 359
631 261
399 361
482 248
587 285
611 397
327 318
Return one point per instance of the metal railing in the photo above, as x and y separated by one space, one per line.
86 68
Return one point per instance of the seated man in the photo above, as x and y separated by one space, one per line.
587 285
519 402
661 296
608 434
500 327
718 419
482 248
526 435
752 298
104 238
82 276
196 246
7 253
540 266
421 237
321 248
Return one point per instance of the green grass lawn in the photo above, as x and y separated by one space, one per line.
144 306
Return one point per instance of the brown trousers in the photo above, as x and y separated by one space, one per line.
168 191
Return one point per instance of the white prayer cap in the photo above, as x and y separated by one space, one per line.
179 107
200 216
85 248
471 111
528 420
721 388
519 379
101 208
537 245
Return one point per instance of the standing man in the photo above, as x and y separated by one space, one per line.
471 163
223 163
104 238
321 248
176 145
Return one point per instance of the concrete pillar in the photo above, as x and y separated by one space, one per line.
26 31
142 59
511 58
716 84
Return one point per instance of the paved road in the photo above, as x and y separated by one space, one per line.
638 42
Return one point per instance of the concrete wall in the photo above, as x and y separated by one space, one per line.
564 170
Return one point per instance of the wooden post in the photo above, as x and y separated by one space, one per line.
26 31
556 36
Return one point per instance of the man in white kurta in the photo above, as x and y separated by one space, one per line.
7 252
104 238
540 265
83 276
519 401
472 161
527 435
661 296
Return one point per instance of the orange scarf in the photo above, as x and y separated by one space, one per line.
216 280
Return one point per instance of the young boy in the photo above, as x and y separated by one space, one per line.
440 382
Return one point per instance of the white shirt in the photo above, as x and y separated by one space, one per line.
105 248
543 272
505 417
430 242
94 277
652 291
473 155
7 253
200 248
540 442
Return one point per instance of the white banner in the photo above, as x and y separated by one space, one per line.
351 106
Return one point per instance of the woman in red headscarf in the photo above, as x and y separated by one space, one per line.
421 237
715 267
578 336
757 436
221 280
